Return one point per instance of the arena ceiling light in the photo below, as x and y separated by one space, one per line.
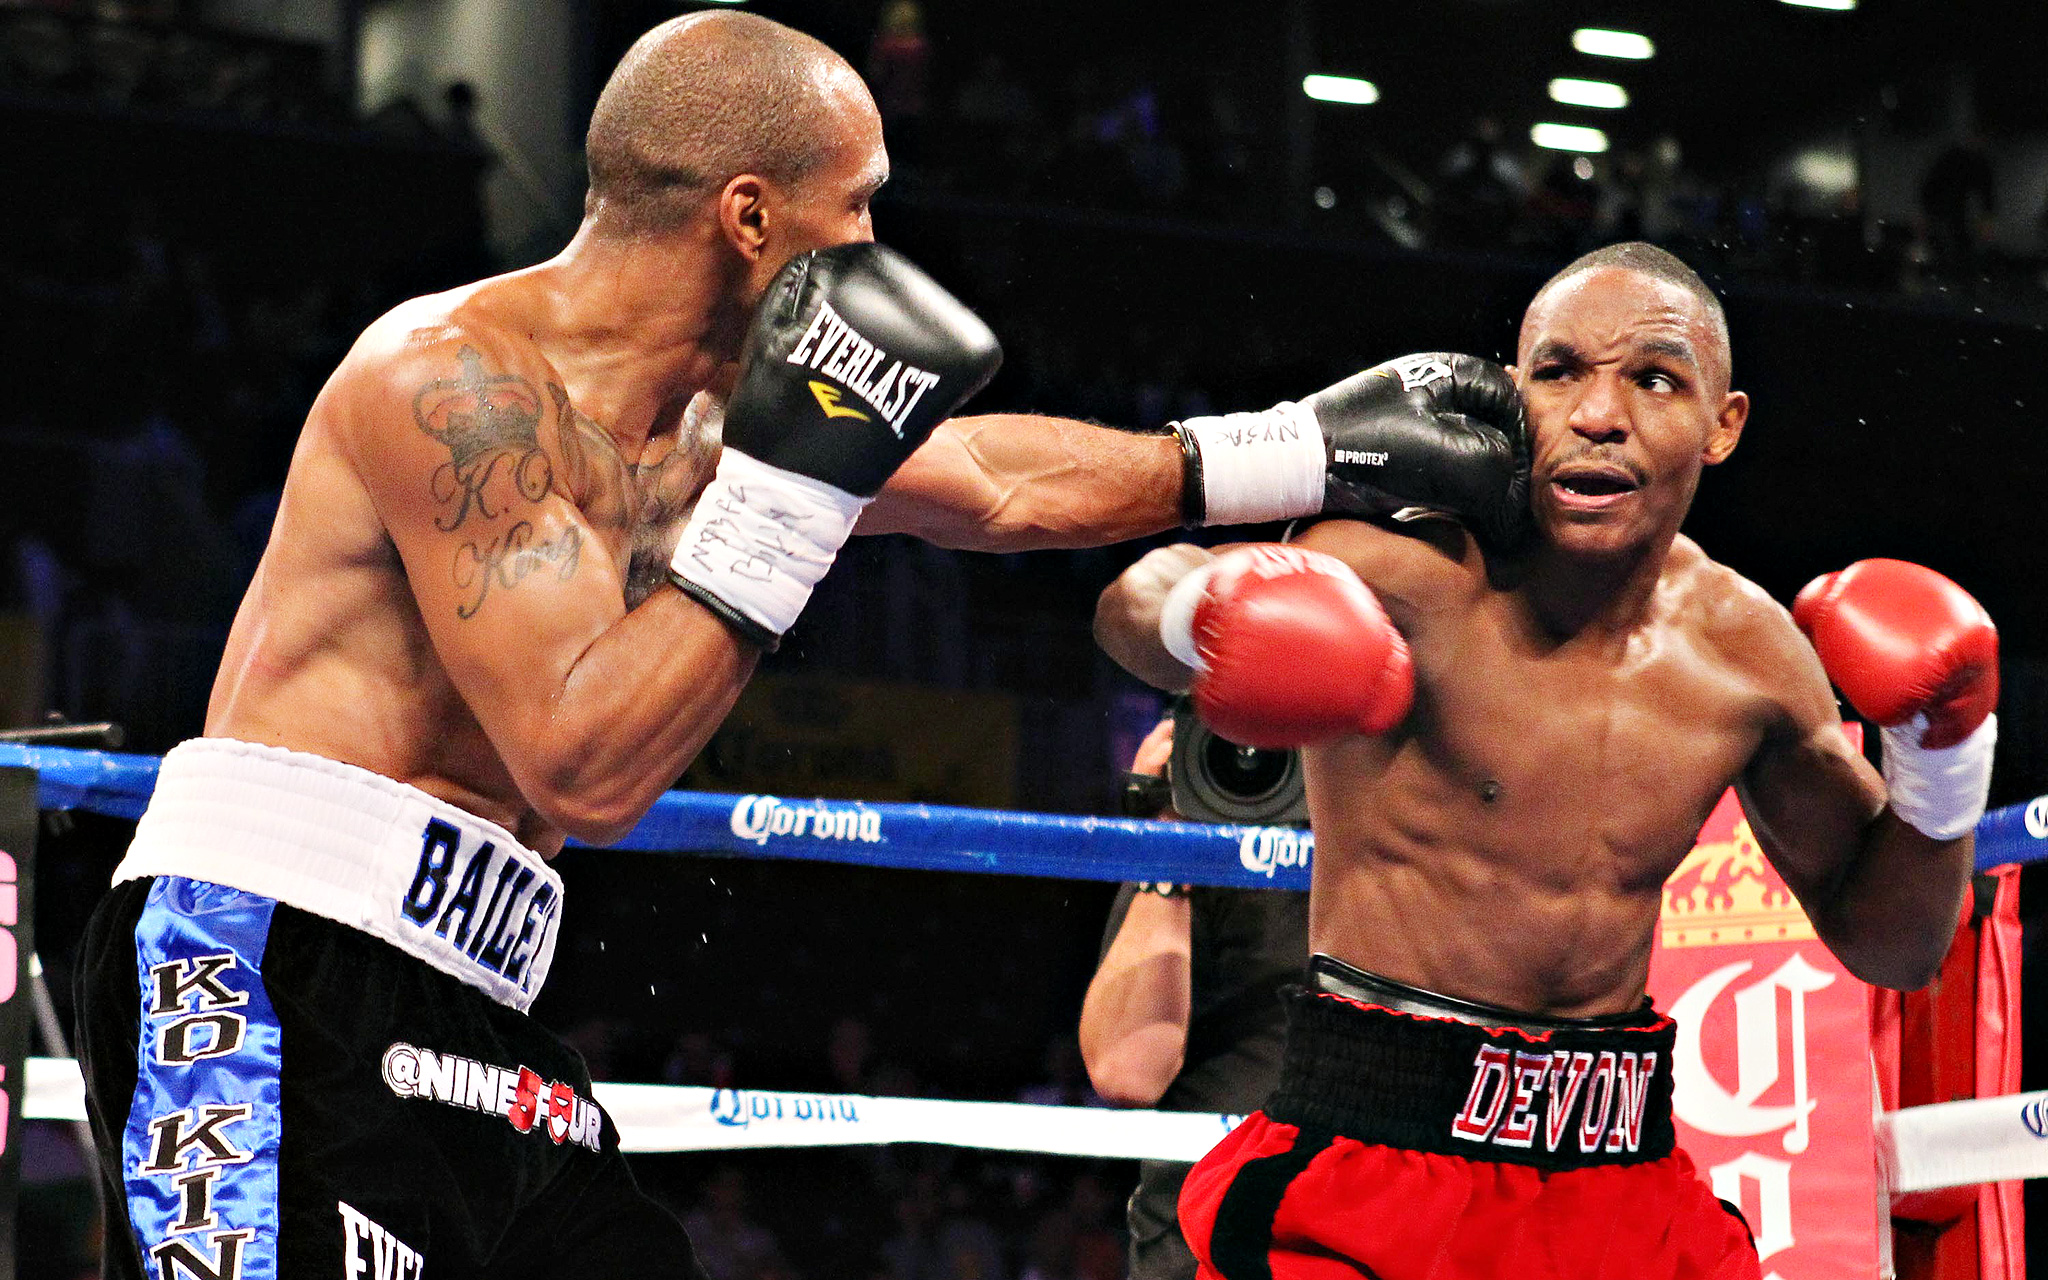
1840 6
1588 93
1568 137
1612 44
1345 89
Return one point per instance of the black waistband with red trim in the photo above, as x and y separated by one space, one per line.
1427 1073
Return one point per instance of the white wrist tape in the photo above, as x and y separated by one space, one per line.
1260 466
1177 617
1940 792
761 537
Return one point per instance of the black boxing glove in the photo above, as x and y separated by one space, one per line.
854 356
1436 433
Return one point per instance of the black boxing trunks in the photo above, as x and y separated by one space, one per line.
1413 1136
303 1033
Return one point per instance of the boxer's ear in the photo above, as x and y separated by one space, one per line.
1727 428
743 215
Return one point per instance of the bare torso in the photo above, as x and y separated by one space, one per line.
1510 842
329 652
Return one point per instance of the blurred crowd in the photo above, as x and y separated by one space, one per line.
156 393
159 371
1120 133
140 54
884 1213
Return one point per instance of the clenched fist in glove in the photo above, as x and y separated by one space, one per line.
854 356
1915 654
1288 647
1437 433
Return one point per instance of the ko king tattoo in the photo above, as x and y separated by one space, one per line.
485 420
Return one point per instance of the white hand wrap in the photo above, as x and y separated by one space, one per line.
1177 617
1259 466
760 539
1939 792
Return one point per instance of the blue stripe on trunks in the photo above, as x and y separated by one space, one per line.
200 1150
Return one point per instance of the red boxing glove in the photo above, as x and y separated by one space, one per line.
1900 640
1289 648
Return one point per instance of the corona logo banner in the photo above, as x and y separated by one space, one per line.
1773 1091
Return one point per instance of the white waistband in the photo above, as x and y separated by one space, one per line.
360 849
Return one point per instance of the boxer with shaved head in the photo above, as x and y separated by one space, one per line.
536 532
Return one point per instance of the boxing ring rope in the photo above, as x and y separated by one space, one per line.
922 837
1921 1148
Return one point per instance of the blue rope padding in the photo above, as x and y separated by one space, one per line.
913 836
108 782
921 836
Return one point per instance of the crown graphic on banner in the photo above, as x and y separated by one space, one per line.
1724 893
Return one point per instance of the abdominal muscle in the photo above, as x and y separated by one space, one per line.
1483 901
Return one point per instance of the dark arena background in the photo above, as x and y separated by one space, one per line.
207 199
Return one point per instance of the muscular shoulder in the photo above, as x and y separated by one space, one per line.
413 357
1744 628
1413 568
450 380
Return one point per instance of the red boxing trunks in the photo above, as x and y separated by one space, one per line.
1413 1137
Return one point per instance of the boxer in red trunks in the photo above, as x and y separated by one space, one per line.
1506 755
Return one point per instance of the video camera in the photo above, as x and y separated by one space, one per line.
1212 779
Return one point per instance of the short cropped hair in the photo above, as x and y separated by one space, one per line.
698 101
1647 259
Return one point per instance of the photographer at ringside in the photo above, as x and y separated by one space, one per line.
1183 1012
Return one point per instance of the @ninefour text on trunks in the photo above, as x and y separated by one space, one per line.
518 1094
836 349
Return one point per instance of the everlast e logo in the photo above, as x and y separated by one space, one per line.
369 1252
478 924
835 349
1518 1098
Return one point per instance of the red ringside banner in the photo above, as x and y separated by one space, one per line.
1774 1090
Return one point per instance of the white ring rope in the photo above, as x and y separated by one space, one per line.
1948 1144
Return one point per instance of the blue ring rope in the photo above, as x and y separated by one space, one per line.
924 837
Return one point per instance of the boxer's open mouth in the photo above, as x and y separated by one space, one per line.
1590 485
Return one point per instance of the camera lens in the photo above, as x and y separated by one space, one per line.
1244 773
1217 780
